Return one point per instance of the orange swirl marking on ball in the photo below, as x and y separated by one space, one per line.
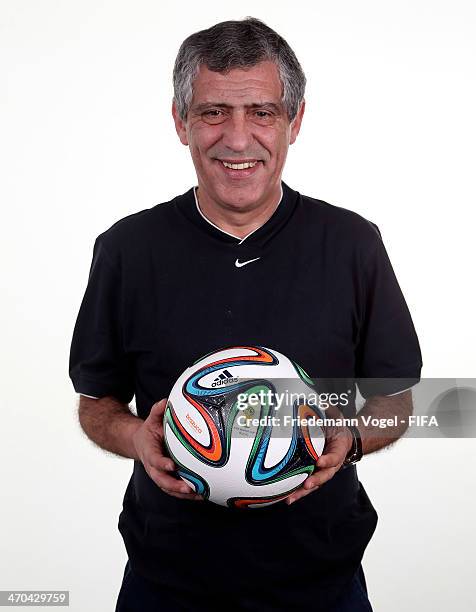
305 412
261 357
214 451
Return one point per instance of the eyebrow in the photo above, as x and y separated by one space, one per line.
204 105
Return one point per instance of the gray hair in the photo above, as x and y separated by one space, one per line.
237 44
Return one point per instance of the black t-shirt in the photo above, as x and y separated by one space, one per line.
166 287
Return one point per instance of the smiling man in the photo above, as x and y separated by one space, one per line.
241 259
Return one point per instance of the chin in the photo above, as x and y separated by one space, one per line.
240 196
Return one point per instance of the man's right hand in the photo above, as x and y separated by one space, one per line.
148 441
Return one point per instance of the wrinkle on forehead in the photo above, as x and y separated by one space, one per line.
262 85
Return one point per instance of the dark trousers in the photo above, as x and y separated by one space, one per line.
137 594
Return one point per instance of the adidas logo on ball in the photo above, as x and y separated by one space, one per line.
225 378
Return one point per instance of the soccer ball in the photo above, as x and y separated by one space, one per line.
239 429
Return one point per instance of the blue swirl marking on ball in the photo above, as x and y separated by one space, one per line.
201 487
258 471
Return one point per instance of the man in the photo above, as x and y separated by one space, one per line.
242 259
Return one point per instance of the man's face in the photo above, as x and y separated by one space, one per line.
238 118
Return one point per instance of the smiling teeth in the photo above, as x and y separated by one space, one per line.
239 166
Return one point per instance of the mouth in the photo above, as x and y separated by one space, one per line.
238 169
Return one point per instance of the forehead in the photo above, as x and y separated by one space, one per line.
254 84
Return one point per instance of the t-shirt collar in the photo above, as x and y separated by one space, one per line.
240 240
188 205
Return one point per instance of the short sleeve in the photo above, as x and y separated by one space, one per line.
98 364
388 356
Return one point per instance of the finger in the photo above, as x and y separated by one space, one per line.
337 446
191 496
164 481
332 459
311 482
309 485
298 495
160 462
319 478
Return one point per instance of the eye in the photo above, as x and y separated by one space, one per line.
213 116
263 117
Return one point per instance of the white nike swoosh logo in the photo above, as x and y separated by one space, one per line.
239 264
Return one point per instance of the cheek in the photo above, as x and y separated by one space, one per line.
276 144
198 151
203 138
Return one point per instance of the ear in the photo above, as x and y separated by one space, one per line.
179 125
296 124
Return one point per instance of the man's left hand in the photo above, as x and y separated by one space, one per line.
339 441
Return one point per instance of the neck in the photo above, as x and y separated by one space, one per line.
238 223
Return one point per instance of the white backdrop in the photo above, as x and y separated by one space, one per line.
87 138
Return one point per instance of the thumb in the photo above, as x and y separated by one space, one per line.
157 411
334 452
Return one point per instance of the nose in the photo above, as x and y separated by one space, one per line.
237 132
